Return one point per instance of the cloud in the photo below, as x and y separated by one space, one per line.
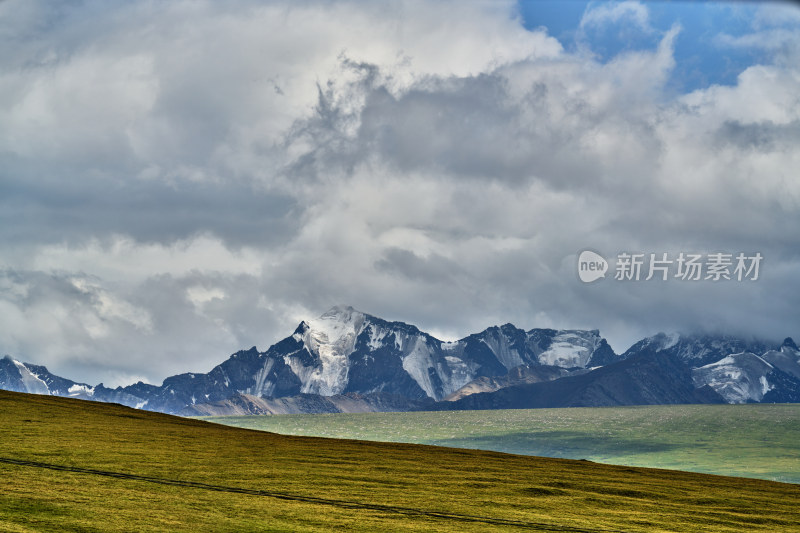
602 14
179 181
124 258
772 33
531 119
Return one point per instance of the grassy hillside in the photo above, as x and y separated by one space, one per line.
753 440
68 465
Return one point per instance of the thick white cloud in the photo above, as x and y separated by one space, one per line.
185 90
183 180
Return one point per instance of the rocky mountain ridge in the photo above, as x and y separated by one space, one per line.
349 360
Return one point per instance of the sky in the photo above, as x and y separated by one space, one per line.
181 180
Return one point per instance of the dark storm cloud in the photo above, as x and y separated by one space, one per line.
69 206
433 269
461 126
474 127
762 137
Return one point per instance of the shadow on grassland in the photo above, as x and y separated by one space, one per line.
563 444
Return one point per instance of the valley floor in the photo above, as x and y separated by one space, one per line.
748 440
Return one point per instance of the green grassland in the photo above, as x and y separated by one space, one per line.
752 440
70 465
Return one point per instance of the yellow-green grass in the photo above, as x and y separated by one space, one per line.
62 460
751 440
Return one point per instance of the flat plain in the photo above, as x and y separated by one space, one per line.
71 465
750 440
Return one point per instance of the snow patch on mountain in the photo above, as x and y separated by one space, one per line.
458 374
80 390
376 336
787 358
32 382
263 387
739 378
499 346
765 386
332 338
417 363
570 348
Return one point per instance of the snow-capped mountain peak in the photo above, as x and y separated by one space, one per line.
25 377
789 345
787 358
330 338
697 349
335 331
29 380
739 378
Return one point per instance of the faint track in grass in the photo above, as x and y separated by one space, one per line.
343 504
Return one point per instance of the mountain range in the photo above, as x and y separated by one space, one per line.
349 361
